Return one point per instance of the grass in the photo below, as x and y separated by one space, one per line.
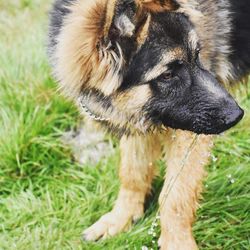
46 199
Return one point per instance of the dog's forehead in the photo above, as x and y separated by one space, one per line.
170 36
170 28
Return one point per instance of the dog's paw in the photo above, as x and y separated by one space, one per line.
177 241
114 222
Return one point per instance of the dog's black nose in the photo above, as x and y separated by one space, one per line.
234 116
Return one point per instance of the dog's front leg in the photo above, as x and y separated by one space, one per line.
182 188
138 154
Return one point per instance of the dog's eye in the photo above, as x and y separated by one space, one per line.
167 75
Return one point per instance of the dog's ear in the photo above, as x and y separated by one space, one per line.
159 5
127 16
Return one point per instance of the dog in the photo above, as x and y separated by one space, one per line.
155 73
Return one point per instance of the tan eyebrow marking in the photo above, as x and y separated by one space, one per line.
161 67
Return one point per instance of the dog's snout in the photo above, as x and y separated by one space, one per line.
234 116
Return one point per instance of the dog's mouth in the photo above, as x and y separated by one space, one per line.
220 125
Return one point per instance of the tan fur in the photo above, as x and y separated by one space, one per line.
77 46
127 106
134 99
144 31
110 8
179 200
128 208
161 67
157 6
138 156
193 39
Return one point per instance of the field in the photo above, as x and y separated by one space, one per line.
47 199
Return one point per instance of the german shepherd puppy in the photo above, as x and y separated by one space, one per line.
153 72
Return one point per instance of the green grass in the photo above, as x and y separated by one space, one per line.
46 199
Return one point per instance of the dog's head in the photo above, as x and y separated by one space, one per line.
156 75
183 94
